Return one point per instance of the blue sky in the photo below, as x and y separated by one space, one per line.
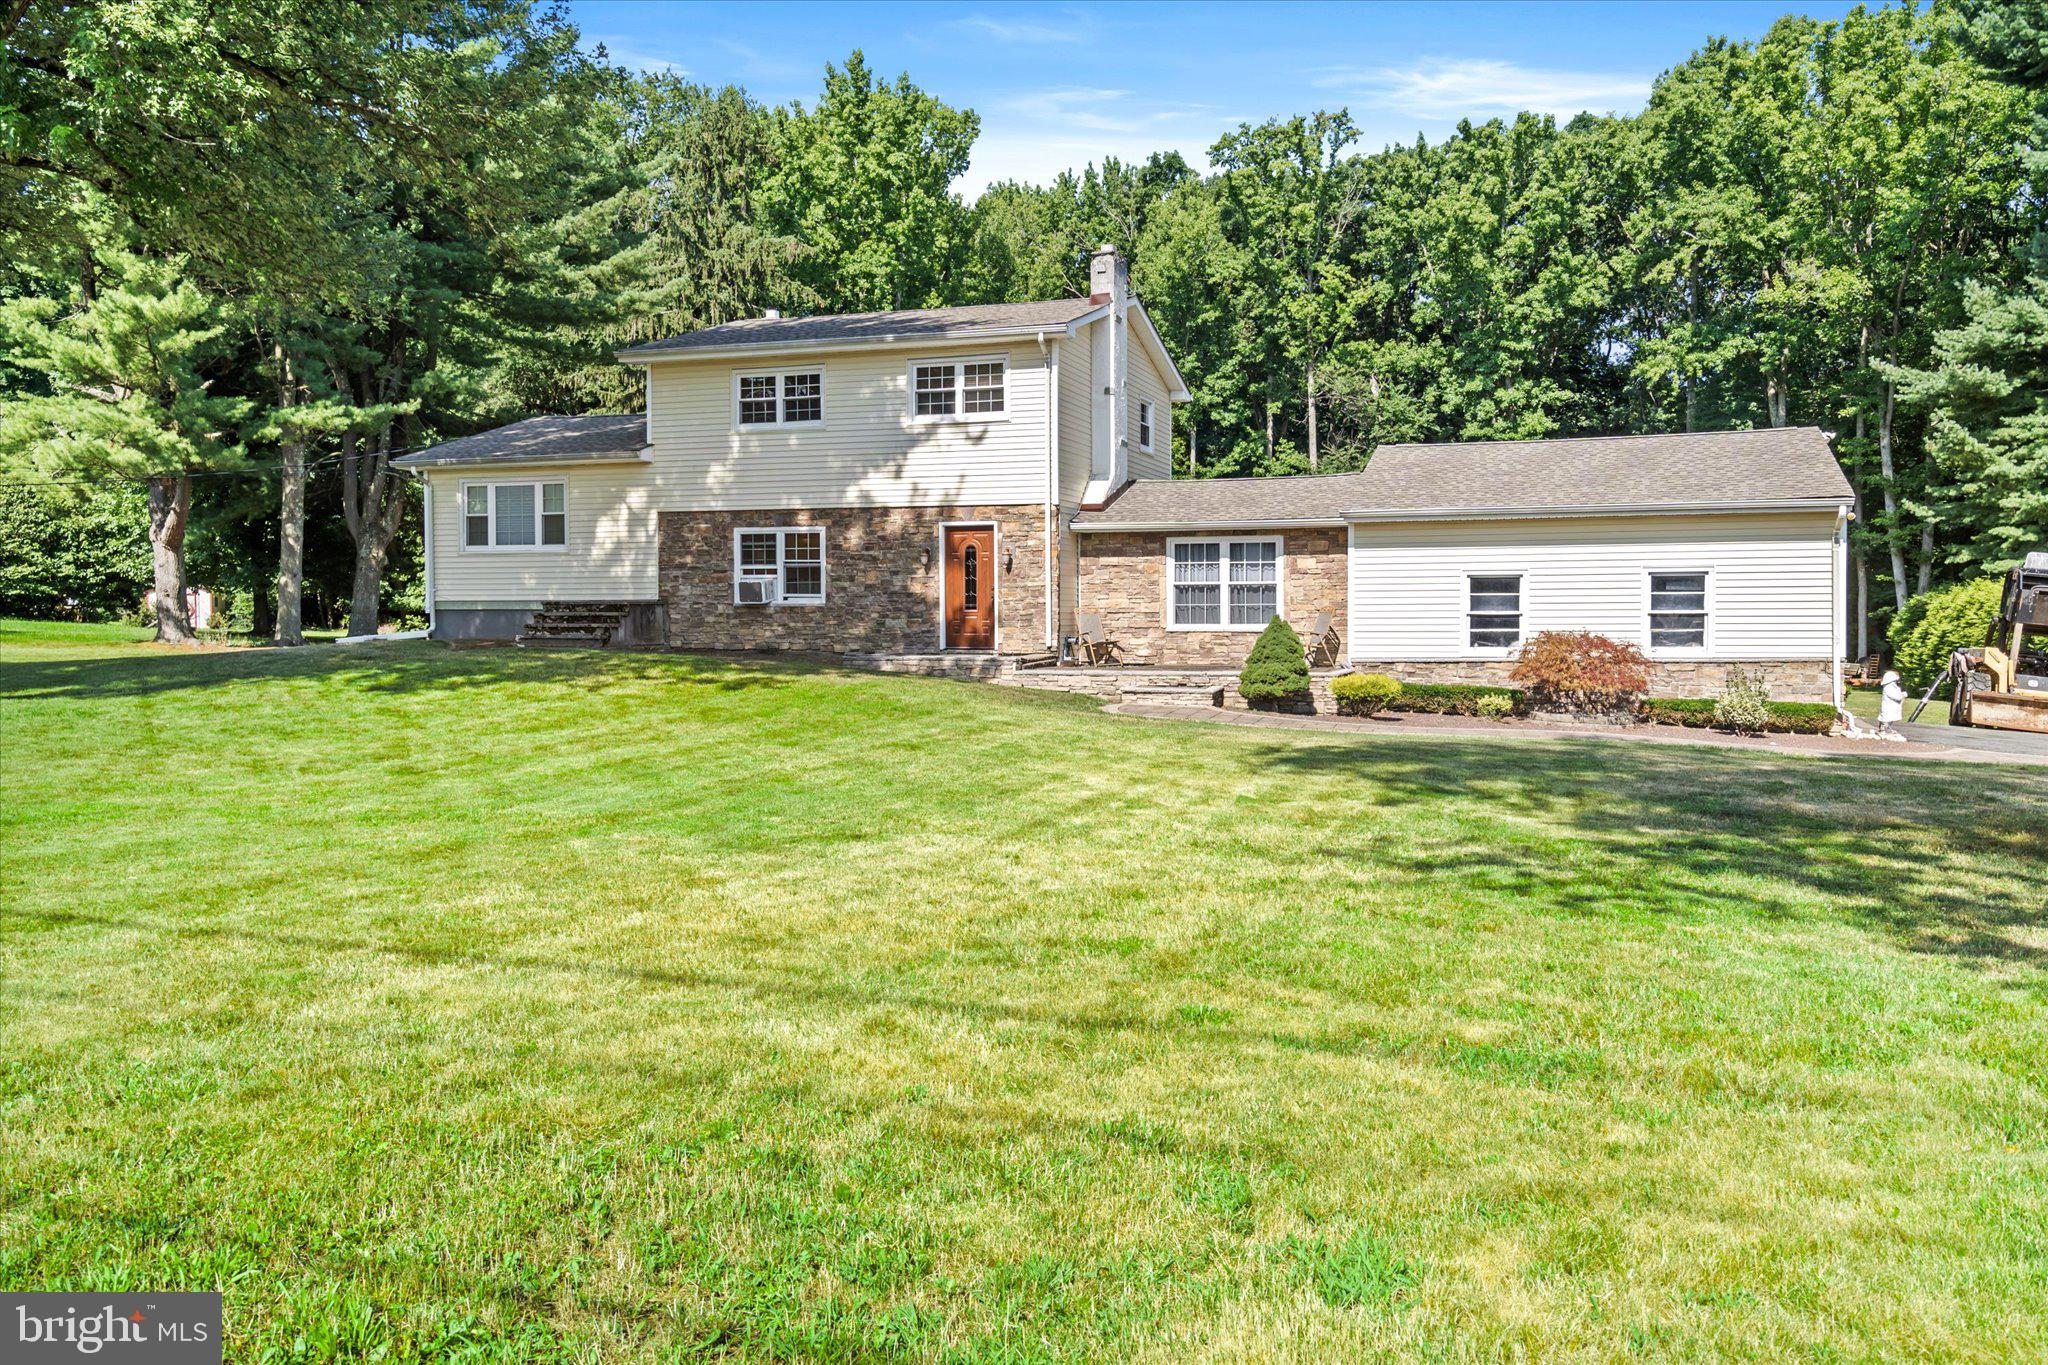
1060 85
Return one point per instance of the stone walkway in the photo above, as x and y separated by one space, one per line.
1408 725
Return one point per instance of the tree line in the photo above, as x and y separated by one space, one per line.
255 254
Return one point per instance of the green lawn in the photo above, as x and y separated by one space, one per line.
494 1004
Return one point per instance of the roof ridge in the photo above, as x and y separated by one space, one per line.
1621 436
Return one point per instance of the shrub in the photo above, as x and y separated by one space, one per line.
1451 699
73 553
1495 707
1784 717
1744 705
1363 694
1576 670
1277 668
1936 624
1695 713
1802 717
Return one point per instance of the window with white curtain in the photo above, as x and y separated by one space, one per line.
1678 611
1223 584
527 515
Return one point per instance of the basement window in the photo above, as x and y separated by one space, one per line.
778 565
515 516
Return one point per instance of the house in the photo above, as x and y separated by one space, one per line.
965 481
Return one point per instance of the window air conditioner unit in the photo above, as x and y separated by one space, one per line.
756 592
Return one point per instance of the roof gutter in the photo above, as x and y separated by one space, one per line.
633 356
416 463
1225 524
1592 510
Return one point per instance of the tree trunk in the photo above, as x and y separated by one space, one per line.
1891 500
1692 404
1926 557
372 503
170 507
1778 399
362 605
1193 465
291 535
1269 439
1314 453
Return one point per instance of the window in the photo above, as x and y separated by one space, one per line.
515 516
1494 611
953 390
1678 611
1223 584
784 564
1144 426
793 399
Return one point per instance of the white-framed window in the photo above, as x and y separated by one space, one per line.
1678 610
1493 610
970 389
778 398
778 565
1144 425
1222 584
523 515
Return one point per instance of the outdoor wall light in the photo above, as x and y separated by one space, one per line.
924 558
1009 560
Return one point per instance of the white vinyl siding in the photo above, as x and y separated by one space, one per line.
1145 385
1077 418
868 452
1769 580
608 554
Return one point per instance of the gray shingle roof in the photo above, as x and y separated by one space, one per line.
917 324
542 440
1774 465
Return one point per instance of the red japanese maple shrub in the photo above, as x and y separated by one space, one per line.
1576 670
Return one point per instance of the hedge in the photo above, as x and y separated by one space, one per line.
1452 699
1697 713
1363 694
1936 624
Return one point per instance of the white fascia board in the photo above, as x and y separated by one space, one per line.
1176 387
1205 527
1378 514
894 340
513 467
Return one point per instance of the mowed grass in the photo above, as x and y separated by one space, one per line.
490 1004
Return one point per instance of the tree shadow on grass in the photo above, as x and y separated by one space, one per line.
380 668
1893 846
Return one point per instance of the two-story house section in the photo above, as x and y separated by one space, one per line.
891 482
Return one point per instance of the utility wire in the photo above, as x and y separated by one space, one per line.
86 481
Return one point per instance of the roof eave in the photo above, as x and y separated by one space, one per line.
1210 524
426 461
898 340
1373 514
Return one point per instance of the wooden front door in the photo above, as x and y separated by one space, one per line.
970 587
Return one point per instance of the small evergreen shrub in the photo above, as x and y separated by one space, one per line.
1495 707
1936 624
1576 670
1744 705
1277 669
1694 713
1364 694
1452 699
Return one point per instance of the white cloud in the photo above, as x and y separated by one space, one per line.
1447 89
1035 135
624 53
1019 31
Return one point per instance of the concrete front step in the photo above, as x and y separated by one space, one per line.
973 667
1172 694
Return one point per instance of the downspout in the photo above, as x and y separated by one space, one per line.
427 545
1052 486
1838 574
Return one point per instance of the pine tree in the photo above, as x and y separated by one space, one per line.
128 398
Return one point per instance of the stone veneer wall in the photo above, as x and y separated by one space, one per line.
877 597
1787 679
1122 575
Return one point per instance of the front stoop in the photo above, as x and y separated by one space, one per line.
971 667
574 625
1170 694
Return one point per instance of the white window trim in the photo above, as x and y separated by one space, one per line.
1279 544
539 501
1468 650
959 413
1704 650
1144 424
781 534
778 374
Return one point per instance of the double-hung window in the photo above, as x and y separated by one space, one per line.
1223 584
515 516
1144 425
783 399
958 390
1493 611
779 564
1678 611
